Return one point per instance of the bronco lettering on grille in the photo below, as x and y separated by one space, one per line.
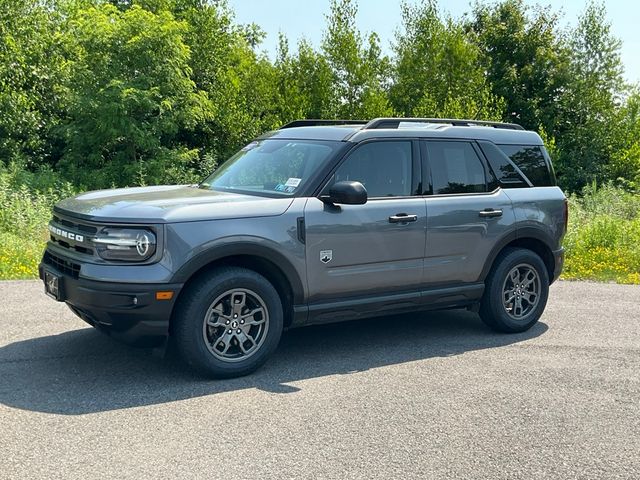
64 234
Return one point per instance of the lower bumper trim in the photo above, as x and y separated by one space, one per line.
129 312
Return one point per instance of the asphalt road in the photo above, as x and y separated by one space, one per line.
420 396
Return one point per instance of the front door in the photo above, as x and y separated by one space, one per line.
378 247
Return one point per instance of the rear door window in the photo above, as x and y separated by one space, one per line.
455 168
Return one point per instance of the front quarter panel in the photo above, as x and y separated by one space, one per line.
191 245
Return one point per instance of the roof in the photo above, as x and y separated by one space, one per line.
335 133
498 136
495 132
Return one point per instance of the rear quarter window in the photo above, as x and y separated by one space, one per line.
531 160
506 172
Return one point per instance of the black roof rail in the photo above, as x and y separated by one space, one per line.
317 122
395 122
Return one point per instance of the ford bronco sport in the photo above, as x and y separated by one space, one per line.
319 221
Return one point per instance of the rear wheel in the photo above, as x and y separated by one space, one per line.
228 322
516 291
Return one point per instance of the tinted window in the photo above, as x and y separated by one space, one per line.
384 168
530 160
504 169
455 168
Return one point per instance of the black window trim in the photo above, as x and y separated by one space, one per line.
427 179
416 167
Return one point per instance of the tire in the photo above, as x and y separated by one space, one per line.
520 309
228 322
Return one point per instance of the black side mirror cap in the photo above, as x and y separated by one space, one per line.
346 193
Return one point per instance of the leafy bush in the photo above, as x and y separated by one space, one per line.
19 256
26 200
603 241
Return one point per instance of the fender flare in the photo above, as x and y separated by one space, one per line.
521 232
233 248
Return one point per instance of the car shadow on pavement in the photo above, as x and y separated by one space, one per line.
83 371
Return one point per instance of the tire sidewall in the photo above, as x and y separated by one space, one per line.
493 310
190 339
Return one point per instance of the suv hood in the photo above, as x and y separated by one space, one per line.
170 203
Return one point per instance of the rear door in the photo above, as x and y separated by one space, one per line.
378 247
466 212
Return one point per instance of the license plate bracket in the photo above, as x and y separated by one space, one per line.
53 285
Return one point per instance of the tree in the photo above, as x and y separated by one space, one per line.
359 70
589 134
240 84
33 74
305 83
132 95
437 71
625 161
525 58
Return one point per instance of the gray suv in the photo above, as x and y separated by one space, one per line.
320 221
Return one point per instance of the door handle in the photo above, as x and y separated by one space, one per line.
402 218
490 212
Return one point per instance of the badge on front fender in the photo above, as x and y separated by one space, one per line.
326 256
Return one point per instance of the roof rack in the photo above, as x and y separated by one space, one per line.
395 123
318 122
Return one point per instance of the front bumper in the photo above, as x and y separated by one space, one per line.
128 312
558 258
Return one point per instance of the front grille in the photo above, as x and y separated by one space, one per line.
62 264
75 225
76 248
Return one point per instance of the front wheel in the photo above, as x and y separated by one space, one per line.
516 291
228 323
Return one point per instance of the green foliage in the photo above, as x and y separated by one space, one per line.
624 166
25 208
305 83
359 70
26 199
33 71
590 134
603 241
438 72
132 95
129 92
240 84
525 58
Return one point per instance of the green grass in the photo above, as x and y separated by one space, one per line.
602 244
25 209
603 241
19 257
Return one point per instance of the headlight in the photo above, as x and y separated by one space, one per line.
125 244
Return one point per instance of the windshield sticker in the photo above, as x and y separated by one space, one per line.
293 182
250 146
280 187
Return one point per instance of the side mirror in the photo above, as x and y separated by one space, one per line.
346 193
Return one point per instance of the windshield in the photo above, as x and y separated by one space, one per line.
279 167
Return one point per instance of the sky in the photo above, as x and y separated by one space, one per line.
297 19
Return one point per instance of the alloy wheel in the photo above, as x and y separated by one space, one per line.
235 325
521 291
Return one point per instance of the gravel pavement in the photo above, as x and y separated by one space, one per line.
434 395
